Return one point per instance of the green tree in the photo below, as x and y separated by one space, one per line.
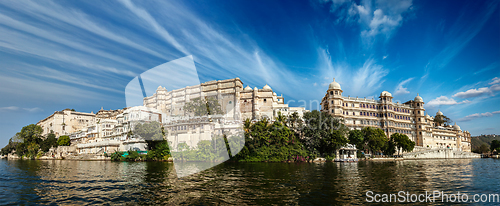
11 146
402 142
50 141
203 106
323 133
483 149
63 141
389 147
356 137
32 150
152 132
31 133
375 138
495 145
442 120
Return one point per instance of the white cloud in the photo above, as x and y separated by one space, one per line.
495 86
472 93
495 80
443 100
402 90
386 17
315 84
478 115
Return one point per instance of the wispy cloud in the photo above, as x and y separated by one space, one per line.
443 100
478 115
362 81
15 108
400 89
493 65
460 34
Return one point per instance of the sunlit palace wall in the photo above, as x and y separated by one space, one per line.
406 118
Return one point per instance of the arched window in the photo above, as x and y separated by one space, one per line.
331 92
336 92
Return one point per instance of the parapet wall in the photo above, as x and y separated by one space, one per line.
440 154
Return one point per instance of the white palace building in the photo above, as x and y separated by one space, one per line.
407 118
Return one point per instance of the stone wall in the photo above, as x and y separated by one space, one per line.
440 154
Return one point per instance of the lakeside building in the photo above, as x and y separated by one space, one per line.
237 103
191 130
407 118
112 134
66 122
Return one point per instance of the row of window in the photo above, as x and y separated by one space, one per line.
370 106
375 115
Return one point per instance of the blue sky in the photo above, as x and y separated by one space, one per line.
81 54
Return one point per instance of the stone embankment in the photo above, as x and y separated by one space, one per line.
441 153
65 152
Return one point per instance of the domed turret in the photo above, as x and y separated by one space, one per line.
456 127
439 113
418 98
385 94
334 85
267 87
247 89
274 94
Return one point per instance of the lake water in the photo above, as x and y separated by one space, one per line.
145 183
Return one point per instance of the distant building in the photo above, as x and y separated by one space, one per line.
66 122
408 118
112 133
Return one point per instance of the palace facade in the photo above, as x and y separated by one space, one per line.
406 118
236 103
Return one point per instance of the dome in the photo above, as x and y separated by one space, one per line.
247 89
267 87
274 94
418 99
385 94
439 113
334 85
427 116
456 127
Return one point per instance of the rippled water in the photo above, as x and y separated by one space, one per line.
103 182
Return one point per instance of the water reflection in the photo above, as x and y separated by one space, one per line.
101 182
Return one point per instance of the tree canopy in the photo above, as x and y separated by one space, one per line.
402 142
495 145
323 133
203 106
375 138
63 140
442 120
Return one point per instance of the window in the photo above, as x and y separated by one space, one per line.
230 102
265 100
336 92
332 101
331 92
333 111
